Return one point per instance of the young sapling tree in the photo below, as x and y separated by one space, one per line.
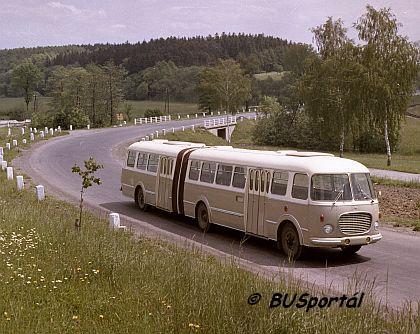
88 179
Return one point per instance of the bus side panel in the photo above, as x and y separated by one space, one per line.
128 182
226 207
149 183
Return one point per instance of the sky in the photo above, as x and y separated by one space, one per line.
26 23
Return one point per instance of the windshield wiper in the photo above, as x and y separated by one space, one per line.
338 196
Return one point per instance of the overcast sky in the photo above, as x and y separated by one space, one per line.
59 22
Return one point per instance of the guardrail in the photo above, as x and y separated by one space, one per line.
220 121
161 119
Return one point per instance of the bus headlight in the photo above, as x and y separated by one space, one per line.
328 228
376 226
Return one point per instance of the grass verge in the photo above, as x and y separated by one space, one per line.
55 278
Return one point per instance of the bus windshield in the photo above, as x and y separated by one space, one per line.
330 187
336 187
362 187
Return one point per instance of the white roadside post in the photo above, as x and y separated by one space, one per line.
14 142
9 132
23 141
211 114
40 192
135 121
147 138
32 137
179 116
31 130
22 131
204 114
59 129
193 128
20 183
196 115
173 130
8 146
9 171
41 134
163 132
143 139
157 133
71 127
183 128
1 150
52 132
36 130
188 116
3 165
88 126
218 113
115 222
46 131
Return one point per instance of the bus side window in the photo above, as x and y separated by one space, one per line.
194 170
131 158
238 180
279 183
153 163
142 161
208 171
224 175
300 186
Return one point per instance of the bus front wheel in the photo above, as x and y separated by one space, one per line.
289 242
141 200
203 218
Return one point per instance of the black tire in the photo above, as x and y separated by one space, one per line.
289 242
350 250
203 218
141 200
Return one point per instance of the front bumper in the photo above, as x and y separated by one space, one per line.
346 241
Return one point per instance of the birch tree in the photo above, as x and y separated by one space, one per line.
391 63
336 70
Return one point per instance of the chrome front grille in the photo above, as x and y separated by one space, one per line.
355 223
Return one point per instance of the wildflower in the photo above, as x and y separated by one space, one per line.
101 316
75 317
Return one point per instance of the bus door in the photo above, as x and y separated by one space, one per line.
164 183
258 186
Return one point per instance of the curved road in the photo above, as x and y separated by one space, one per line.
393 263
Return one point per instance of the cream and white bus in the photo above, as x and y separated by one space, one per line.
298 199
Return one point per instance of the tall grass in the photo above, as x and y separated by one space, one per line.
54 278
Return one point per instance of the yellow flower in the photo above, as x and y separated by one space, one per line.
75 317
101 316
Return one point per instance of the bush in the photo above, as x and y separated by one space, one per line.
282 128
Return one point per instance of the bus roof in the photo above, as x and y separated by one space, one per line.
305 162
163 146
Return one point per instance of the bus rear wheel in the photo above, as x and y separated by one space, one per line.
141 200
289 242
350 250
203 218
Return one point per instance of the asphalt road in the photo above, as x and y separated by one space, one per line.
392 264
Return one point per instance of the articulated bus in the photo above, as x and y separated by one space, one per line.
298 199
